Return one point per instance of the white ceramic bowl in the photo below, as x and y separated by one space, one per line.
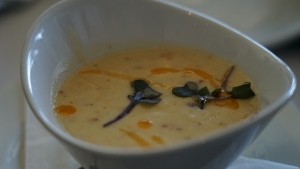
74 30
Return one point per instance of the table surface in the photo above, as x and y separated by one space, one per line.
15 23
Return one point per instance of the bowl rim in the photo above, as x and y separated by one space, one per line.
64 137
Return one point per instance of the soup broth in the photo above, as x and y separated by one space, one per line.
98 91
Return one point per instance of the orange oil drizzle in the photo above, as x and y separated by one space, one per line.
204 75
228 103
197 72
120 76
135 137
163 70
108 73
65 110
145 124
157 139
155 71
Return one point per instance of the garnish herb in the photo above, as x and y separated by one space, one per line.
203 95
143 93
188 90
243 91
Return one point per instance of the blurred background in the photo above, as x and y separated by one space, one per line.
274 24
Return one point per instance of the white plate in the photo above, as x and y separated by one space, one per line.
270 22
22 146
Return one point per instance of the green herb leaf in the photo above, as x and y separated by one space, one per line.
150 101
216 92
143 94
191 85
150 93
182 92
139 85
202 96
203 91
243 91
189 89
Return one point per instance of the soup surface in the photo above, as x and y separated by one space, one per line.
98 92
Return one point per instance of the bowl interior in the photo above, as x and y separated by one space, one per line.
73 32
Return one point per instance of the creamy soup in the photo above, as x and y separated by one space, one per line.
98 92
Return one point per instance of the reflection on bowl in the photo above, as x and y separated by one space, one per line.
72 29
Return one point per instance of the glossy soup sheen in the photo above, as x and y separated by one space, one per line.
98 91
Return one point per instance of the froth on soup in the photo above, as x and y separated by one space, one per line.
98 92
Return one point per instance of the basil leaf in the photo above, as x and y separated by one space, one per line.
243 91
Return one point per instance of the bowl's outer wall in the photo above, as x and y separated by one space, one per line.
75 31
217 154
